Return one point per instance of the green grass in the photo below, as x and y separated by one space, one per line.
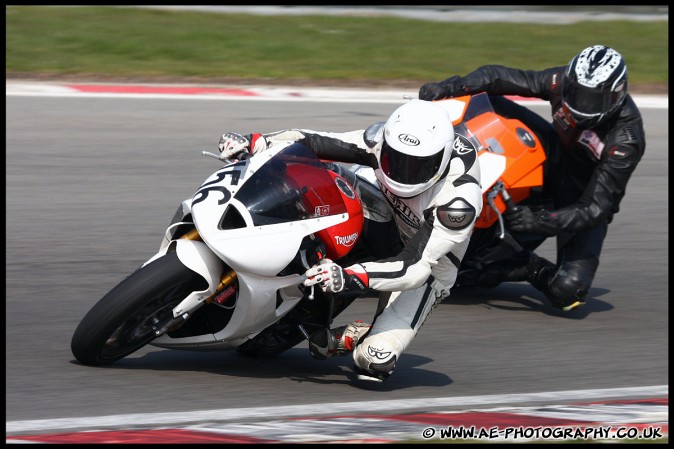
94 41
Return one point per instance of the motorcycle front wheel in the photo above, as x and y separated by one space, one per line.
121 322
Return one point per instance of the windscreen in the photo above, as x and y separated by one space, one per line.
478 105
293 185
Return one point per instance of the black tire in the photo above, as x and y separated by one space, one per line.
121 322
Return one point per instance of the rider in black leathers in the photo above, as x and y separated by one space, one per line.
593 145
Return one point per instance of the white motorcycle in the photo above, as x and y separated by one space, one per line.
229 272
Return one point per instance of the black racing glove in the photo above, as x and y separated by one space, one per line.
523 219
451 87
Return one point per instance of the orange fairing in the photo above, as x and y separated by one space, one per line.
524 158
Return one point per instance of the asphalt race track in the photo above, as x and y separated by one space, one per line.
93 182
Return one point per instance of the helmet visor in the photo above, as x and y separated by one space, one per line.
587 101
408 169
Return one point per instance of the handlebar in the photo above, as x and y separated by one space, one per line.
510 204
240 156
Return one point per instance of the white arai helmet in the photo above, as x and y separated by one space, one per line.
416 148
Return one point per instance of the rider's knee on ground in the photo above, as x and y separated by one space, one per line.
394 328
365 366
566 293
376 356
568 286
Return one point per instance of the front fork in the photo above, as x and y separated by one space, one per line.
227 279
226 288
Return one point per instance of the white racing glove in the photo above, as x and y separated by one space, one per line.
333 278
232 144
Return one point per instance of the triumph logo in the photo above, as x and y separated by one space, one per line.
409 139
347 241
378 353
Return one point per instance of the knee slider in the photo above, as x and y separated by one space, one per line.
373 362
377 371
566 290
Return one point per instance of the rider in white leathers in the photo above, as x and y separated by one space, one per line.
435 196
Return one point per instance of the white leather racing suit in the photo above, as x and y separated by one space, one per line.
435 227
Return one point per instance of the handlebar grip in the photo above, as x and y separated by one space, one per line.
243 155
511 206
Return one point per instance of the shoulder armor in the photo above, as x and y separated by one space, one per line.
629 134
457 214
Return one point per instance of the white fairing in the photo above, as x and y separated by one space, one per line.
256 253
255 310
492 167
455 108
261 250
199 258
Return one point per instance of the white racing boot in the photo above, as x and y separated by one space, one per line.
326 343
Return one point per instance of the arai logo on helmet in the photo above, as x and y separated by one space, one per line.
408 139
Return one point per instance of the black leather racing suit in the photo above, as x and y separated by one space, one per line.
586 173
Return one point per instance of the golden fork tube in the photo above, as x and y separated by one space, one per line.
227 279
191 235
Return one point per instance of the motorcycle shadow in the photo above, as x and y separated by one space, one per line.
295 364
408 373
524 297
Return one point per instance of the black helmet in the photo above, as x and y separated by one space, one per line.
594 85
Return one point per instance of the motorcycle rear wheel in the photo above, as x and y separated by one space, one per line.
121 322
